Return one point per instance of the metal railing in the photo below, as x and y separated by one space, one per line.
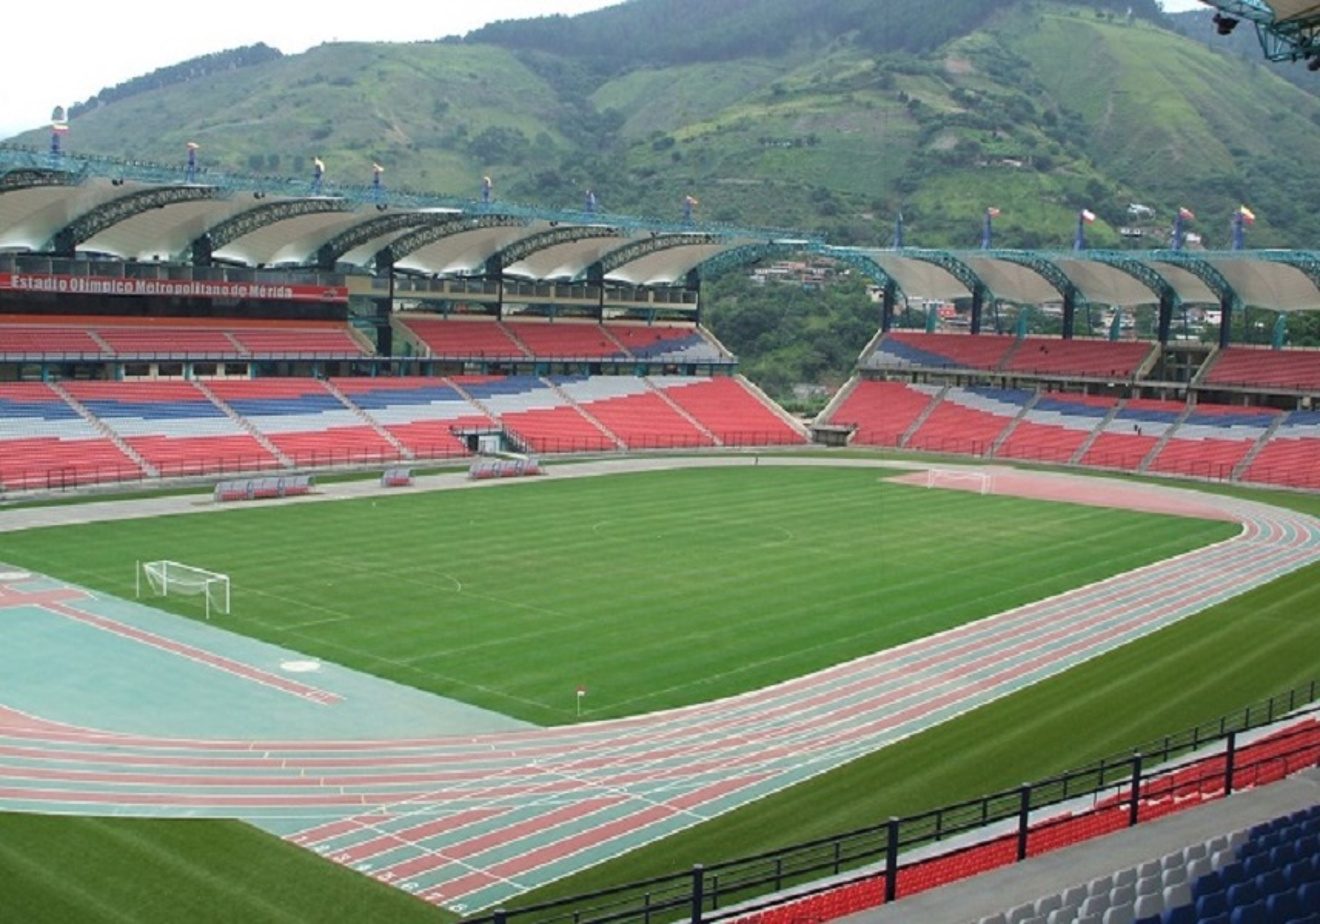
1118 791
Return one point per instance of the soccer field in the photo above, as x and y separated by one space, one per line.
652 590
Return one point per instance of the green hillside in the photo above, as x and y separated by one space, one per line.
830 116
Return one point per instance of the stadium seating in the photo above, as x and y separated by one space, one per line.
421 413
1132 433
1056 427
1212 440
666 344
176 337
1292 456
907 349
463 337
45 442
1082 358
969 420
727 409
634 412
545 419
298 339
565 340
882 412
1291 370
174 426
18 338
305 421
167 339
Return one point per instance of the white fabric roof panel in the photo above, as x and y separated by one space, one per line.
164 233
466 252
1012 281
1266 284
919 279
363 254
667 267
29 218
1288 10
565 261
1187 284
1102 284
282 241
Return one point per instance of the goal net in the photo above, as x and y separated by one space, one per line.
163 578
960 480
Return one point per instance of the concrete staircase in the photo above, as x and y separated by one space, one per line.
1013 425
755 390
243 422
590 417
1242 467
1164 440
367 419
1087 443
674 405
104 429
922 417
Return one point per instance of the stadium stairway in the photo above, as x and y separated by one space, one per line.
883 412
45 442
1056 427
105 430
1127 438
1212 441
969 420
174 426
370 421
1291 458
633 412
421 413
245 424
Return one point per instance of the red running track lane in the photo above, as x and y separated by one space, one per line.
436 811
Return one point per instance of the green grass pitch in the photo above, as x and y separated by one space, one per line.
652 590
662 570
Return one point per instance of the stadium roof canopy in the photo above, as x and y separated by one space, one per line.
74 206
1289 30
69 206
1277 280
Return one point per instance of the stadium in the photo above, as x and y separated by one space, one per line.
442 540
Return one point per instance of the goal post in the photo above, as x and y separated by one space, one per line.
960 480
163 578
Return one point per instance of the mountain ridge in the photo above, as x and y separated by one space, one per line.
1040 108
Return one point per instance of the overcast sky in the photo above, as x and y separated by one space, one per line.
66 53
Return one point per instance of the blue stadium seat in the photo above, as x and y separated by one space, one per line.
1182 914
1271 883
1300 873
1257 865
1284 906
1310 897
1232 874
1212 905
1243 893
1255 913
1208 884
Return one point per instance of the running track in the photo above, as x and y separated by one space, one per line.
469 822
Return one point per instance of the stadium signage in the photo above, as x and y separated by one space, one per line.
169 288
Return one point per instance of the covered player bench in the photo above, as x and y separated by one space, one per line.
398 476
260 488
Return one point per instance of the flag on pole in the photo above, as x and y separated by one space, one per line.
1088 216
1247 214
581 691
59 128
992 212
1186 214
377 169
